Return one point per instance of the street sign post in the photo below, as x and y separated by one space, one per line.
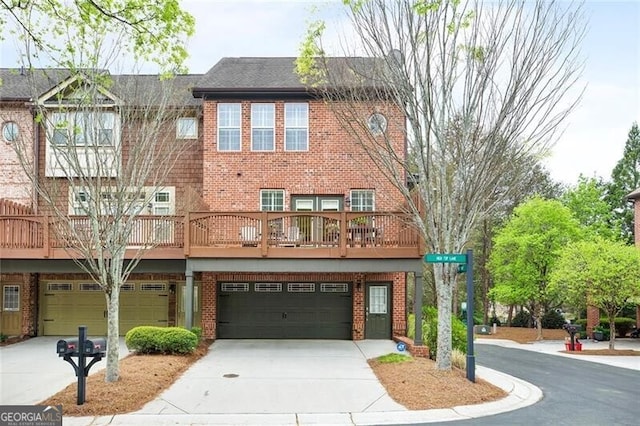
445 258
465 262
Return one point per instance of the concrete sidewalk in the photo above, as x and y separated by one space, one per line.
556 347
293 382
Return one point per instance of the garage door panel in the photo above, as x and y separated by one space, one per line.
293 312
65 306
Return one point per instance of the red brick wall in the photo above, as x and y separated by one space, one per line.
593 319
334 164
14 184
209 296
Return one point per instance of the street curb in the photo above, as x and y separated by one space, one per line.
520 394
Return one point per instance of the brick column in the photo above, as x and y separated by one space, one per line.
209 314
399 314
593 319
358 307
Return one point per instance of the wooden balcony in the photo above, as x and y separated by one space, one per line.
319 235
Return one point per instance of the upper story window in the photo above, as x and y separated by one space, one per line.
83 128
272 200
296 126
229 120
10 131
187 128
144 201
262 127
362 200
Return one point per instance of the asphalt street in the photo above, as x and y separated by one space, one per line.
575 392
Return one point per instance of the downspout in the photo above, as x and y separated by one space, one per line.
36 159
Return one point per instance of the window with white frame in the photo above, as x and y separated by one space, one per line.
187 128
362 200
162 203
145 201
229 131
83 128
11 298
296 126
272 200
262 127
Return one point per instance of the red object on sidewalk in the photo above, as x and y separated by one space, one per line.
577 346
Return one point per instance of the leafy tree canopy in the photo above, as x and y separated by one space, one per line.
151 30
526 249
599 272
625 178
587 203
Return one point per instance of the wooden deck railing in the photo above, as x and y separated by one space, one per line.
228 234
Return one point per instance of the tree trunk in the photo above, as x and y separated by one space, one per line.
444 290
612 331
510 315
113 333
538 319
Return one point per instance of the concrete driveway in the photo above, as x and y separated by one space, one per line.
31 371
280 376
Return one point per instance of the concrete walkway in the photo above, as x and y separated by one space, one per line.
276 382
297 382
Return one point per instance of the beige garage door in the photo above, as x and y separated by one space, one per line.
67 305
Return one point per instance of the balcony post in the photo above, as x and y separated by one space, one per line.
46 240
343 233
264 233
417 341
187 234
188 301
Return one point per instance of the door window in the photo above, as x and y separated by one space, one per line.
378 300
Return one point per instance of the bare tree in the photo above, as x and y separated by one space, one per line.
483 85
109 144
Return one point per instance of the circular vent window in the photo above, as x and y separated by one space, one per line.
10 131
377 124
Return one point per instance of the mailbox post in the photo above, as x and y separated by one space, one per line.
573 329
82 348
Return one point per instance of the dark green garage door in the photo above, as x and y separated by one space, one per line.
284 311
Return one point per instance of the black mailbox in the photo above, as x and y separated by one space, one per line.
95 346
573 328
67 346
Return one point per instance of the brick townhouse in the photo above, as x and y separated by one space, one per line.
282 226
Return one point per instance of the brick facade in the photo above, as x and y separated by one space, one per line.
14 182
207 179
333 165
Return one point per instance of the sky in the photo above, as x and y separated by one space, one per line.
595 133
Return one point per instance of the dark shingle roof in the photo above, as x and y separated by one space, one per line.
19 85
150 89
246 75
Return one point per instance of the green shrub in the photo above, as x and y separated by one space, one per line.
167 340
521 319
581 322
430 331
623 325
552 319
393 358
198 332
495 320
